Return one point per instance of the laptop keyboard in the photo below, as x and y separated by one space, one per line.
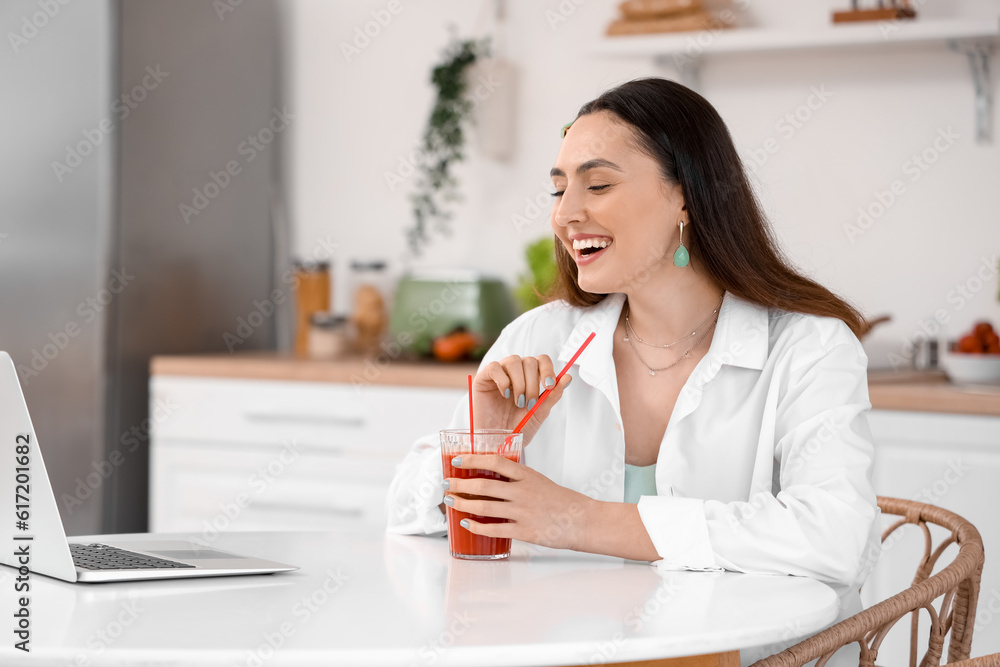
104 557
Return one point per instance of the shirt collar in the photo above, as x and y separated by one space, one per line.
601 319
741 334
741 338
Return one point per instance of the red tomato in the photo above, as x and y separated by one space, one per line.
982 329
970 344
454 346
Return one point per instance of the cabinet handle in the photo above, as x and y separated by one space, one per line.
351 422
172 444
351 512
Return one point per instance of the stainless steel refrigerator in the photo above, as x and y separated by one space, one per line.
139 218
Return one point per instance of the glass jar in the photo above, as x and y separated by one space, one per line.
329 337
312 295
369 303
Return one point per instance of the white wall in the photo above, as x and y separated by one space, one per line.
358 119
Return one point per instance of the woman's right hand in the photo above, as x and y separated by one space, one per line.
504 391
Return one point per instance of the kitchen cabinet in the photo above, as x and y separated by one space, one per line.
948 460
266 442
252 454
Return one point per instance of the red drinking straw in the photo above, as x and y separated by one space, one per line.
472 439
517 429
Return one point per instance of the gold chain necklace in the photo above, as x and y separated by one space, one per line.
630 332
687 353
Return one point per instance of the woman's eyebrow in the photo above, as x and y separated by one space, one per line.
589 164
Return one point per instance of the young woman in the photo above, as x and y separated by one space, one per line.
719 418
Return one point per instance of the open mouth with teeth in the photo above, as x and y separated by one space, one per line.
589 248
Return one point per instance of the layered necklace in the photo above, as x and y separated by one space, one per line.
631 337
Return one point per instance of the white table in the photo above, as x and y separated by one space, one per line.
365 598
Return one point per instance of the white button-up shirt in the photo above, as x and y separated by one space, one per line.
765 465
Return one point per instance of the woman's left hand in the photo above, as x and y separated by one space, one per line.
540 511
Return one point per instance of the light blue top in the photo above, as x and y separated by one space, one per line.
639 481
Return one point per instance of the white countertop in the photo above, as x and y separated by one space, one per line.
366 598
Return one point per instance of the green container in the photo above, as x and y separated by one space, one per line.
428 305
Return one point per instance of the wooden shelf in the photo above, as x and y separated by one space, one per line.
743 40
684 52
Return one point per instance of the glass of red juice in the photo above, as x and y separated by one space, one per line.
456 442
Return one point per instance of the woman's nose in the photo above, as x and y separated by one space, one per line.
567 209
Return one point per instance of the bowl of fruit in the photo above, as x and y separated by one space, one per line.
975 357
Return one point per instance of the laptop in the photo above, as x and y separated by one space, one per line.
32 531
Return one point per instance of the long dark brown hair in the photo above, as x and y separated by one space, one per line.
729 233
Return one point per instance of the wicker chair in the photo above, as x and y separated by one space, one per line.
991 660
958 583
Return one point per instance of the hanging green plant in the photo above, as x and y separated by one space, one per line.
443 142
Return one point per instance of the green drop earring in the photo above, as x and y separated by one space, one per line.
681 256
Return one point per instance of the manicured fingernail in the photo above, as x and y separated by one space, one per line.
506 392
445 484
464 523
550 382
520 401
449 501
457 461
531 403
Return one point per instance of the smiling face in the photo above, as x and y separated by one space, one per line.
613 212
